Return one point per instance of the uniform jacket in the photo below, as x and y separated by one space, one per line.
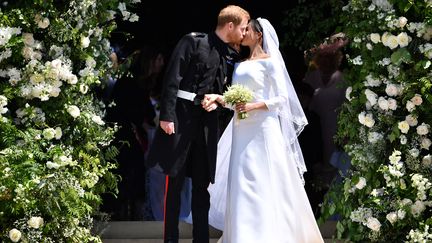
200 63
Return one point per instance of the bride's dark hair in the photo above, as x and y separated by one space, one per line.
256 26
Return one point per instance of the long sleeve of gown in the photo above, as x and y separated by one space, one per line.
279 94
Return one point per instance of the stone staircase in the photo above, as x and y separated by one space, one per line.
152 232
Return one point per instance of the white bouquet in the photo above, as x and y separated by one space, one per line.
238 93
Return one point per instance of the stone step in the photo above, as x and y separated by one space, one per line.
152 232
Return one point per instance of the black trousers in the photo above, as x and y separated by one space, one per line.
197 168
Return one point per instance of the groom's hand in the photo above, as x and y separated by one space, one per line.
209 102
167 126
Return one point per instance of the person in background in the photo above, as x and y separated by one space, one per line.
130 110
185 143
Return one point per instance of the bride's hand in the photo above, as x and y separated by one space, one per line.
244 107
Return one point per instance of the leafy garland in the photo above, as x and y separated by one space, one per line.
55 154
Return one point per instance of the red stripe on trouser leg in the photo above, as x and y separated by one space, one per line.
165 199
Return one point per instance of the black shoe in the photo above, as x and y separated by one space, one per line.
170 241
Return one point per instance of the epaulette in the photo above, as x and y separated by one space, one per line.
197 34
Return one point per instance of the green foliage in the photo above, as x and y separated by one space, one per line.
385 124
55 154
310 22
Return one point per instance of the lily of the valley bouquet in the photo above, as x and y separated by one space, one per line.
236 94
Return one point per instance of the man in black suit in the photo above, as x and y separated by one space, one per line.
185 143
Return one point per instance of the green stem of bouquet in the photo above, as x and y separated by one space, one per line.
242 115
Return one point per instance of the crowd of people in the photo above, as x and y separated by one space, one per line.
177 133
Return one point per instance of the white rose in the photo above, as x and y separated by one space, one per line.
369 121
348 93
417 99
423 129
401 214
85 41
414 152
417 208
392 90
403 39
14 235
403 126
72 79
425 143
427 160
392 42
48 133
361 117
375 38
74 111
392 217
58 133
383 104
371 96
369 46
98 120
403 139
373 224
410 106
35 222
392 104
412 120
28 39
402 21
361 183
51 165
44 23
384 37
83 88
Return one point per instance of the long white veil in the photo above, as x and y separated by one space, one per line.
292 121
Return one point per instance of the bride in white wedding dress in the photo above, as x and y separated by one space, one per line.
258 195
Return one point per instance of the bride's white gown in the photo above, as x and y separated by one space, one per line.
264 199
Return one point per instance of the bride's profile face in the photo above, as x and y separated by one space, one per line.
252 36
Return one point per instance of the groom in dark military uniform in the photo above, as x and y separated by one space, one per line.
185 143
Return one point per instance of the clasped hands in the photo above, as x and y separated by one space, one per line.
209 103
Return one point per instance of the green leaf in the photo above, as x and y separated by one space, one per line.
400 56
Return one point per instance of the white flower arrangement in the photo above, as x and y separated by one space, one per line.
55 152
389 95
